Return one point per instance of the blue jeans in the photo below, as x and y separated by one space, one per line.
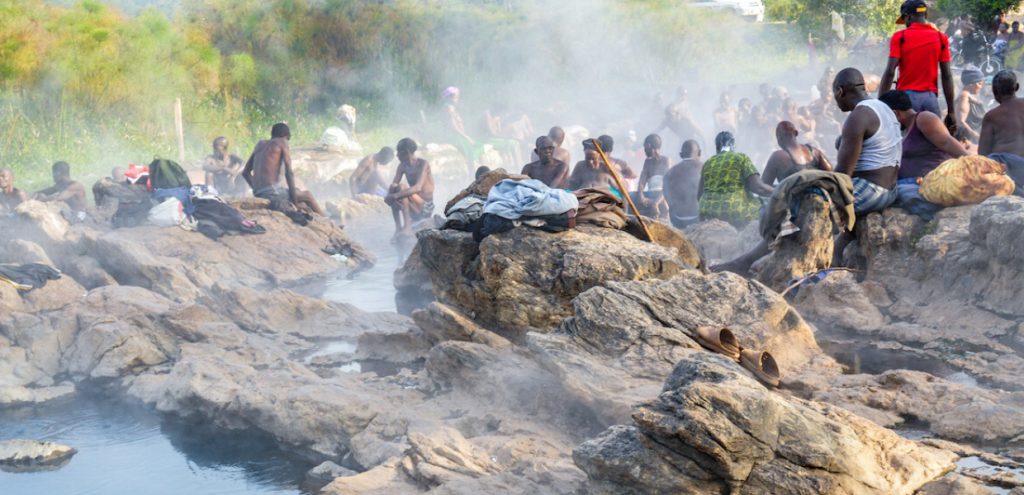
924 100
910 199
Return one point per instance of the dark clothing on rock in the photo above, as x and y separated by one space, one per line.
491 224
32 275
280 201
1014 168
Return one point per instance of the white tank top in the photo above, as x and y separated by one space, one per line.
885 147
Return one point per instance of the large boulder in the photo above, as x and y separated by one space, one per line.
625 338
715 430
806 251
526 278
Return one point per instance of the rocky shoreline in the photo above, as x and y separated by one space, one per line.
547 363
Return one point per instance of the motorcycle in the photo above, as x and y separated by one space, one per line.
978 50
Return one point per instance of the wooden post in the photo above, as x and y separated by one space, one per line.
179 128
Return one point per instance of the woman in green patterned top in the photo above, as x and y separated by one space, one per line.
727 183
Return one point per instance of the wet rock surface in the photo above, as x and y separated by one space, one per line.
21 455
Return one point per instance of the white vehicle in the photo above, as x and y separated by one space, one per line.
748 9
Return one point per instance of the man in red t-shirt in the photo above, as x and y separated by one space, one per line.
920 52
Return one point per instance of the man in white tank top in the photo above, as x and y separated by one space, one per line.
871 144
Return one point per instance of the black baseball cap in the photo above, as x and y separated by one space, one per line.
910 7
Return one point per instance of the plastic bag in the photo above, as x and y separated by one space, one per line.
170 213
966 180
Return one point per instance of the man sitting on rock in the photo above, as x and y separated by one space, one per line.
64 189
263 174
367 179
10 196
871 144
547 169
413 201
1002 130
222 168
590 172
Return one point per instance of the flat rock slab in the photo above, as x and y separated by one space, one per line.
21 455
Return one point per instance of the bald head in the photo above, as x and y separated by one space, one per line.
848 78
848 89
786 133
557 134
690 149
1004 85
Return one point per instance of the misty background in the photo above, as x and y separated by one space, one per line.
94 83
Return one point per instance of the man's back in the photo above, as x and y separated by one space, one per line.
680 187
920 48
1006 124
267 162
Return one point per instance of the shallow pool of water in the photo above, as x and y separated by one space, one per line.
129 450
374 289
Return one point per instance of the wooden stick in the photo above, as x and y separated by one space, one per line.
179 128
618 182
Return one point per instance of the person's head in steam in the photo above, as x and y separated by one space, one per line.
557 135
220 146
724 142
607 143
545 149
690 150
451 95
384 156
652 145
117 174
61 172
406 150
281 130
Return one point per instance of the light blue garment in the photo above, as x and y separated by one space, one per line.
515 199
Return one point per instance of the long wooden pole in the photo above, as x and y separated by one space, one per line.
179 128
618 182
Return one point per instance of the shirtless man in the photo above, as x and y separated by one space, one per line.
681 184
10 196
547 168
415 201
792 157
655 166
557 135
263 173
366 179
608 146
64 189
1002 130
677 120
726 117
590 172
222 168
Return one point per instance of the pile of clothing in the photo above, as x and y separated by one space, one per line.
600 206
28 276
779 217
174 201
511 203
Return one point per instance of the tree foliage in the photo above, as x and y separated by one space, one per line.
980 9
